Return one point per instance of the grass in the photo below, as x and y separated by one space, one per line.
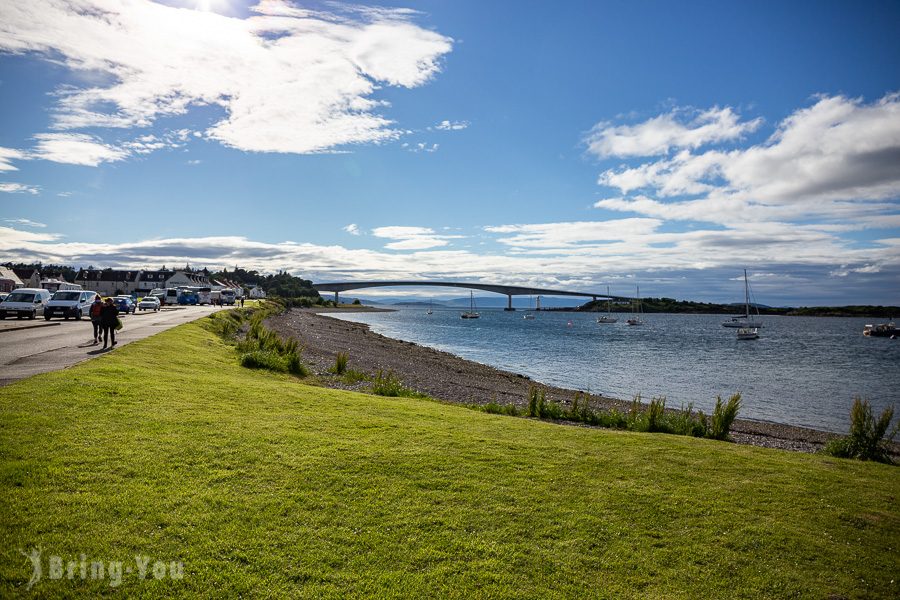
265 486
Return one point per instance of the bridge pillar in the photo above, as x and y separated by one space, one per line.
509 305
337 298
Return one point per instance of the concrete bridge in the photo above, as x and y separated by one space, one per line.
508 290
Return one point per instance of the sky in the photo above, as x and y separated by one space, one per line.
569 145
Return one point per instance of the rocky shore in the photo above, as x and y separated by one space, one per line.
453 379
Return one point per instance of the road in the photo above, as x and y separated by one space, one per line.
38 346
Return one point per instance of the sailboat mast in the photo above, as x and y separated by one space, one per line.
746 296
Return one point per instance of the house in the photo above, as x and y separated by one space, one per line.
151 280
257 292
188 279
108 282
30 278
9 280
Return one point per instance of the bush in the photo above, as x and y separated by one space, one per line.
723 416
262 359
866 440
340 363
388 384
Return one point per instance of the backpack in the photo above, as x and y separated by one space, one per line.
95 310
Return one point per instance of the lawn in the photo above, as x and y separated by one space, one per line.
260 485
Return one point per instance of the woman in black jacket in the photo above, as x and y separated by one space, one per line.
109 316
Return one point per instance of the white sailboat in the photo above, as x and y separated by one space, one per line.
608 318
529 316
470 314
746 320
638 310
430 311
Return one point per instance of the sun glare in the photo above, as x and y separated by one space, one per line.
210 5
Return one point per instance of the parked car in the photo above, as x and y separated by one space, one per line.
125 304
69 303
24 302
149 303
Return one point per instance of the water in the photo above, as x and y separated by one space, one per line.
802 371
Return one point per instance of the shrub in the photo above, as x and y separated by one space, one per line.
388 384
866 440
723 416
352 376
656 415
262 359
340 363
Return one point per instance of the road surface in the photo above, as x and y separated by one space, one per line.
30 347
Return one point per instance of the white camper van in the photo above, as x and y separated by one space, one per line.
24 302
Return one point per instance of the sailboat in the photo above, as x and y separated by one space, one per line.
745 321
430 311
529 316
638 310
608 318
470 314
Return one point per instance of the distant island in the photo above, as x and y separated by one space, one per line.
670 305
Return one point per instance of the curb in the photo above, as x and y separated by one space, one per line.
36 325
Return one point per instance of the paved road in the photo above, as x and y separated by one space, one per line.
31 347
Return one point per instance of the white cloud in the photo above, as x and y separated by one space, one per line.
75 149
19 188
288 79
352 229
834 162
446 125
693 264
9 154
421 147
664 132
412 238
24 222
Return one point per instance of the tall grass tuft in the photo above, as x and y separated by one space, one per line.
867 440
340 363
723 416
388 384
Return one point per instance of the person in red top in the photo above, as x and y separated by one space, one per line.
109 316
95 317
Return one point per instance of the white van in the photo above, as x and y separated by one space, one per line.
227 297
24 302
69 303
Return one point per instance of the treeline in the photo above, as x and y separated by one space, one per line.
281 283
670 305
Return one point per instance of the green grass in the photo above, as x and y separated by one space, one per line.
265 486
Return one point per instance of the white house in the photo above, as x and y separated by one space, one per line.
257 292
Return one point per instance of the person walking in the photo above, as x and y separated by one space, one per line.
109 316
242 302
95 317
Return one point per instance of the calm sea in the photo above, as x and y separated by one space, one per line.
802 371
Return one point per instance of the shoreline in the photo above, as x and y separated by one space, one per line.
450 378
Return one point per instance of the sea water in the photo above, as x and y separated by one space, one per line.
801 371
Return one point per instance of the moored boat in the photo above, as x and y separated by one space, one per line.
748 333
888 330
470 314
745 321
608 318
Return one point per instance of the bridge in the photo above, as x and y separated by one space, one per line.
508 290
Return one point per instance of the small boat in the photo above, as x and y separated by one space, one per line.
529 316
608 318
637 309
470 314
429 311
888 330
748 333
745 321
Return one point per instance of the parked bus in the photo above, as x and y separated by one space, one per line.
205 295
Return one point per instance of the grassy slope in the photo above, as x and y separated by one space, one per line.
261 484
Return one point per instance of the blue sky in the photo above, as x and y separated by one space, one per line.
566 145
